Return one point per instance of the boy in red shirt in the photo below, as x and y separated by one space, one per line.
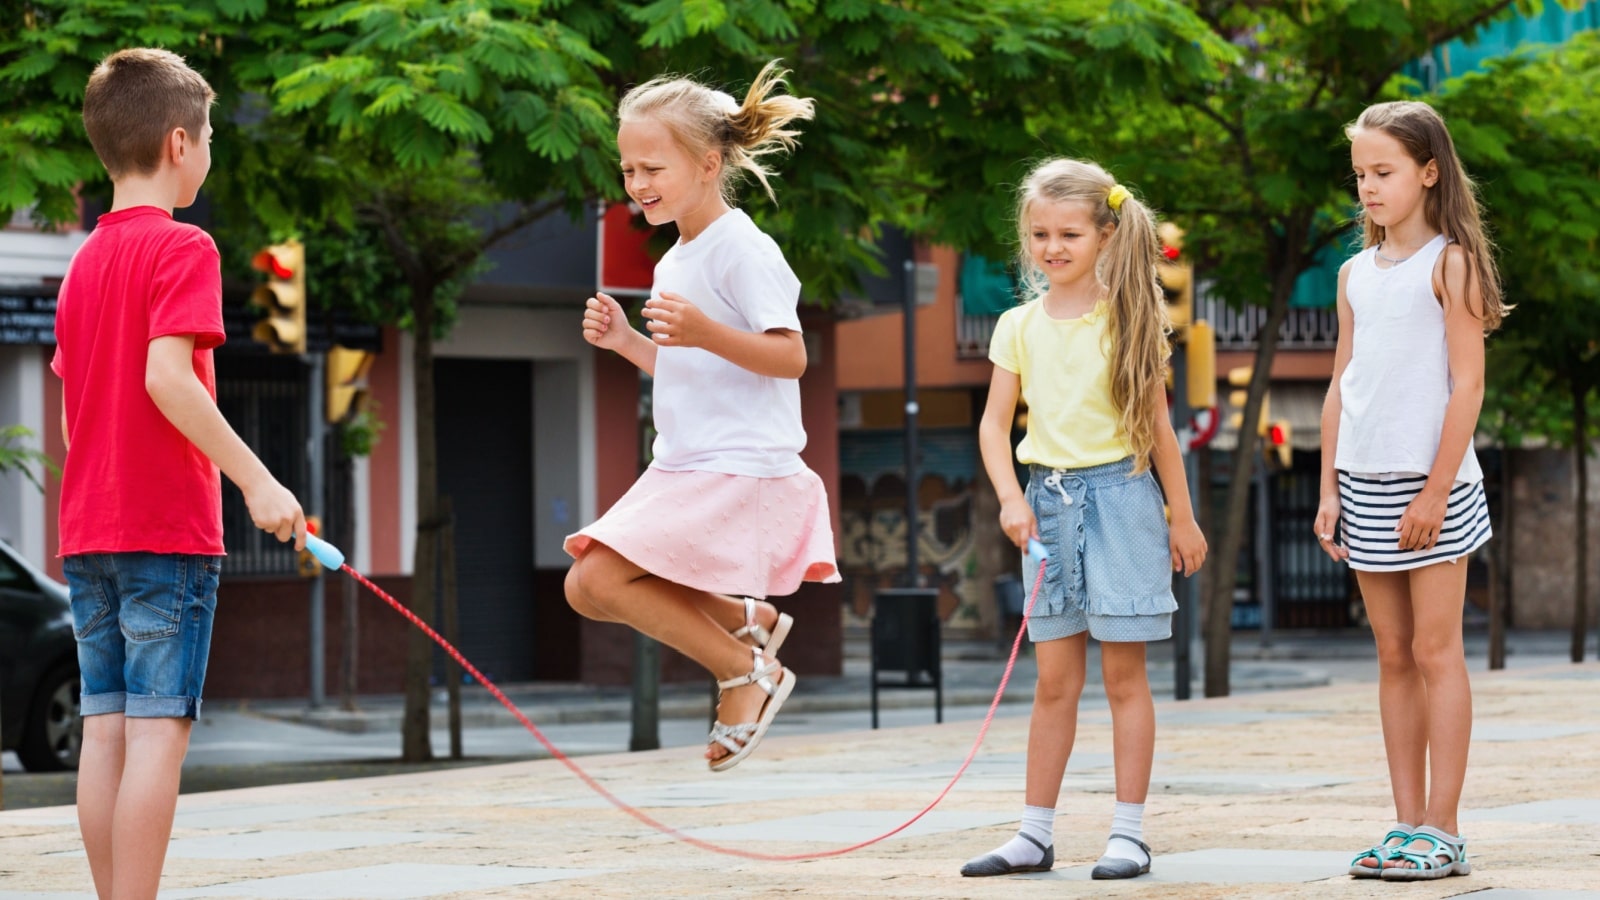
141 498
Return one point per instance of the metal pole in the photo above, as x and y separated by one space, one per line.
1183 622
913 513
316 447
1265 595
647 694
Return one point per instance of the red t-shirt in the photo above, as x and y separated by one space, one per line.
132 481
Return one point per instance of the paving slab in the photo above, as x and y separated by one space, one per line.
390 882
269 844
1220 865
244 816
850 826
1530 731
1566 811
1509 894
1261 795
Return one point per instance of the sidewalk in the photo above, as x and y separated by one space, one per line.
1255 795
972 670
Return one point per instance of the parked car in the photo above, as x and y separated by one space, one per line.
38 668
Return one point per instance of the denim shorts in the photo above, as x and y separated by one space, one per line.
143 624
1110 566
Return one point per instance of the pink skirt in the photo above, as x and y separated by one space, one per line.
726 534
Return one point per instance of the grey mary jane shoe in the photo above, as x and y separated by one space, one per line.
1115 867
995 864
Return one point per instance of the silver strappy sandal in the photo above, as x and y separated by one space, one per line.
739 740
768 641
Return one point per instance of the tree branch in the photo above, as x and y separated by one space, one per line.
526 215
1434 40
378 213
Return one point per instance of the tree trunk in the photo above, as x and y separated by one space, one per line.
1225 564
450 614
1580 461
416 745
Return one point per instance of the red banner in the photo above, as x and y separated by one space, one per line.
626 267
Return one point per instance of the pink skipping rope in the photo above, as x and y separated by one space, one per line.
331 557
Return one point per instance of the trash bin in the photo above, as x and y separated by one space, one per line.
905 644
1010 596
1010 601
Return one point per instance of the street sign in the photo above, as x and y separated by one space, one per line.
28 318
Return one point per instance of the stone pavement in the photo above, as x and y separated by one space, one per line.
1258 795
971 671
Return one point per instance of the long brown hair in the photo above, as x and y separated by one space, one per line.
701 119
1139 323
1451 205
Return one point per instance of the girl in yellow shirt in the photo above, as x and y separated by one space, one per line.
1088 355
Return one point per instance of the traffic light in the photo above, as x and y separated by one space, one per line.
1239 379
1202 365
1177 278
347 381
283 296
1275 444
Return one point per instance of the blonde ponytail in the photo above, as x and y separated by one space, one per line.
1138 312
702 119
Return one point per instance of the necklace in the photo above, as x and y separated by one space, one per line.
1391 260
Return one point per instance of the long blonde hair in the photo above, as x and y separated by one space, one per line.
702 119
1451 205
1138 312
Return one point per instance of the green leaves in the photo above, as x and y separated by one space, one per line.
17 456
1526 128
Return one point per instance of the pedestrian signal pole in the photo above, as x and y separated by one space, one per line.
1177 284
282 294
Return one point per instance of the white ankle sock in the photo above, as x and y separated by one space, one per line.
1127 819
1038 822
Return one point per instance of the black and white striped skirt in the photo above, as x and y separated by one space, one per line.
1371 507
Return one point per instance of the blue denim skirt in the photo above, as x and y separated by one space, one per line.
1110 566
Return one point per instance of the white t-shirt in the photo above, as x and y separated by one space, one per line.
711 415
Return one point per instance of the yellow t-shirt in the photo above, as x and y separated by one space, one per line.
1066 382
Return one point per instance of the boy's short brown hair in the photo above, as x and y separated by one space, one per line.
134 100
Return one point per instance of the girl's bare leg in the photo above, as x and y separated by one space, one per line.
1402 693
1054 723
604 585
1438 593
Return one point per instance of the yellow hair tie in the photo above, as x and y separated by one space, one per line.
1117 195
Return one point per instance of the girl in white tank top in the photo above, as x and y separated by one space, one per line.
1402 492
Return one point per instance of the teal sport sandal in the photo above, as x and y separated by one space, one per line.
1398 836
1446 855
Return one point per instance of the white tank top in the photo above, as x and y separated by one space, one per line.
1395 389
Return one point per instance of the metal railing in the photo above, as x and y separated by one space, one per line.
266 405
1304 329
973 334
1236 329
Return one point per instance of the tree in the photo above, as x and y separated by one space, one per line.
449 116
441 126
1256 167
1525 128
16 456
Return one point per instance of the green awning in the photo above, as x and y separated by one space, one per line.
987 288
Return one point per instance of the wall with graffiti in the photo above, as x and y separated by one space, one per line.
872 540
